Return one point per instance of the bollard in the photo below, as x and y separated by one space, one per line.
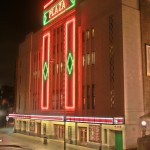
45 140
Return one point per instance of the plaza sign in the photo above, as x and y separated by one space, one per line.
57 10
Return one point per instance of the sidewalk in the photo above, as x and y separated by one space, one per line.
36 143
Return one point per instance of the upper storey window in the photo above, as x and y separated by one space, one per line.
148 59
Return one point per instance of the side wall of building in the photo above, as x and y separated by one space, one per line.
133 83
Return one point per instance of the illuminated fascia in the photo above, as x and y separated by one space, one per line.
100 120
90 120
118 120
66 52
60 11
39 117
42 107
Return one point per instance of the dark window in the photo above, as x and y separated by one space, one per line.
88 97
93 96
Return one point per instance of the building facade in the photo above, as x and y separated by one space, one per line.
145 50
80 76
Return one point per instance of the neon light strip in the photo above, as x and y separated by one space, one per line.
80 68
40 117
45 22
100 120
29 82
46 5
66 77
90 120
118 120
42 100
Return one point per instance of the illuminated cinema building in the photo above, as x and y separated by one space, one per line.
80 76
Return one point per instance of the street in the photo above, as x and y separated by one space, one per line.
33 143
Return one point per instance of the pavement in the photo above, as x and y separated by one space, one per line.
34 143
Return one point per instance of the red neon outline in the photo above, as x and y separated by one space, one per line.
80 68
66 51
42 107
46 5
30 74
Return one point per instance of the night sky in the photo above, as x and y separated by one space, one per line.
18 18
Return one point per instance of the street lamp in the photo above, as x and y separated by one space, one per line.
144 125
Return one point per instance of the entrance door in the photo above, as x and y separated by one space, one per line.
83 135
39 129
119 141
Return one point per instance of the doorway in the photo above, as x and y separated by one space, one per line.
82 135
39 129
118 141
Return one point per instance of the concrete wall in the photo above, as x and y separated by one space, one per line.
145 26
133 83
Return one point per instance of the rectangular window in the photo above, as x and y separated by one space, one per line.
61 67
53 100
88 97
93 96
88 58
87 35
83 61
57 68
61 100
148 59
83 37
83 98
105 136
94 133
57 99
93 58
92 32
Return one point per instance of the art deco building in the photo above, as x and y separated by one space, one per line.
80 76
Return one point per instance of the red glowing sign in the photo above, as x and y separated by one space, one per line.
45 72
57 9
70 78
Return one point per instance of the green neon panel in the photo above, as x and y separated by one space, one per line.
70 63
46 20
45 70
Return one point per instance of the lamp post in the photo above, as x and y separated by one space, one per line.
64 127
144 125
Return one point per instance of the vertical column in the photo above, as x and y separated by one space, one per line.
45 72
70 65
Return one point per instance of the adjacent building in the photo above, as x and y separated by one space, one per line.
79 78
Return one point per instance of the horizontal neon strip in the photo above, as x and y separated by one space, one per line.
90 120
57 118
118 120
99 120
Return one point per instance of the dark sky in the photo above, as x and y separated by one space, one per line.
18 18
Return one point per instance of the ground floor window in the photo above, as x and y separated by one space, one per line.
94 133
83 135
59 131
32 126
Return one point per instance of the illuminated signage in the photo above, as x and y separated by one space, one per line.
57 9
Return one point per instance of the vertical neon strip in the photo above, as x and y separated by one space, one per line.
47 81
73 74
46 5
80 68
29 82
30 75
